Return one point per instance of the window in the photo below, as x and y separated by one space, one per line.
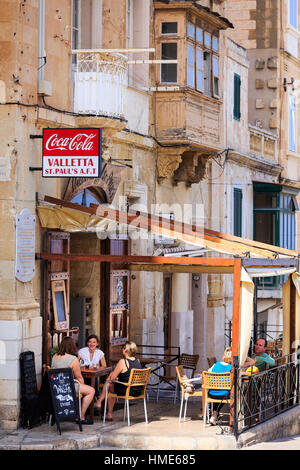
292 124
237 212
274 218
169 28
293 13
191 66
128 24
169 71
237 97
202 61
75 28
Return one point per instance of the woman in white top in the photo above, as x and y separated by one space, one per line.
91 354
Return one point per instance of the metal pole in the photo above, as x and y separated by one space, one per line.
255 311
235 390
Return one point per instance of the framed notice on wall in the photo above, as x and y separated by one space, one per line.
72 153
60 305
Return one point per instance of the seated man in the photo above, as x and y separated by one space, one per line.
262 360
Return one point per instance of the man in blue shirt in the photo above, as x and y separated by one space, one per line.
262 360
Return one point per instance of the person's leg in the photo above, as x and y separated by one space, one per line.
100 400
110 406
88 395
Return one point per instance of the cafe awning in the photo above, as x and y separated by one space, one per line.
244 255
71 217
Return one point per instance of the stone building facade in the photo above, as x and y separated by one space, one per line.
186 139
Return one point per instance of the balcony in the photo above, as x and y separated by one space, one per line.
263 143
100 84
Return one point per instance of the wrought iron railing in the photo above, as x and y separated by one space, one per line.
101 81
260 397
163 355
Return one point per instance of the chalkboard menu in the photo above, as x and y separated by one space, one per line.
29 390
65 402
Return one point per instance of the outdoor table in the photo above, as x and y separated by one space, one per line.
92 374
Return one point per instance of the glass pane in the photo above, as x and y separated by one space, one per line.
207 39
169 71
190 54
200 85
191 67
264 227
191 30
215 43
199 34
190 76
169 28
215 66
216 87
293 13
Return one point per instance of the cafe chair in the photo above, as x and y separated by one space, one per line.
211 361
137 378
214 381
186 388
189 362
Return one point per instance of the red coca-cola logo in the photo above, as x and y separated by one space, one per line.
71 142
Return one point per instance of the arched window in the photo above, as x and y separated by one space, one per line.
86 197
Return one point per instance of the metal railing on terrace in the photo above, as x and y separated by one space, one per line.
260 397
101 80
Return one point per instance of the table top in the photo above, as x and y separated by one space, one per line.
96 372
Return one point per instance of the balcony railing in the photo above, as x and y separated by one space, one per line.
100 83
263 143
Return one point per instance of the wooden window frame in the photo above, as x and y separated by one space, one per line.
207 70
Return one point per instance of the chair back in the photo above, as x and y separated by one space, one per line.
216 380
211 361
189 361
138 378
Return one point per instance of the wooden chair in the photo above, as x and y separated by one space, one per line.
189 362
214 381
211 361
137 378
185 395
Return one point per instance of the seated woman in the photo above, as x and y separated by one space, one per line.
220 367
91 354
67 357
121 373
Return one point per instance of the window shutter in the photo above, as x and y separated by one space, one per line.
237 214
237 97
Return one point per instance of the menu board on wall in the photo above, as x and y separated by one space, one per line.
25 246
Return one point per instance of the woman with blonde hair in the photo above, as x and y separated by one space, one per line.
121 373
220 367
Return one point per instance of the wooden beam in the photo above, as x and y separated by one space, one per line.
174 229
176 260
181 269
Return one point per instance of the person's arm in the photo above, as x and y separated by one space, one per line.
248 362
265 358
117 370
76 371
103 362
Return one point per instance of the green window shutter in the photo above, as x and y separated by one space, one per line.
237 97
237 214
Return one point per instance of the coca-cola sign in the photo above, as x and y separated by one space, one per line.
71 153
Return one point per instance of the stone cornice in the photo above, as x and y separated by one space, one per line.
256 163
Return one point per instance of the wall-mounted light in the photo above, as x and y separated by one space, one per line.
133 276
286 83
